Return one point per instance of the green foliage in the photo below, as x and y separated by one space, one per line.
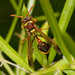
9 51
63 39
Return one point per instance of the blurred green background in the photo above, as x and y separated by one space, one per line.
6 9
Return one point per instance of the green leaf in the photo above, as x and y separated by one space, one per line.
24 11
51 56
12 54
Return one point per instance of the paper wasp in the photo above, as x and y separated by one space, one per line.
28 23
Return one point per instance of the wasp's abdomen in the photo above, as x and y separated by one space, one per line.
43 47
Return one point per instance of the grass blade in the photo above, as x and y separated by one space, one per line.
66 15
51 56
70 44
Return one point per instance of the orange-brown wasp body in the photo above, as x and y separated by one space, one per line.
28 23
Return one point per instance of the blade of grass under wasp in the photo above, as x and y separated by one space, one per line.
51 56
30 50
24 11
50 41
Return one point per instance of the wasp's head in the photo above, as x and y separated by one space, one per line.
26 19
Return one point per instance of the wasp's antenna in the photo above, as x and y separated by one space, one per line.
17 16
30 9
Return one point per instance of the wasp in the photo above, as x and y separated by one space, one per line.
28 23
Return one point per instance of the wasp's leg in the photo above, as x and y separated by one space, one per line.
18 34
33 40
25 39
23 27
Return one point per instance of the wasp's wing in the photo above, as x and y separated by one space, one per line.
30 50
50 41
